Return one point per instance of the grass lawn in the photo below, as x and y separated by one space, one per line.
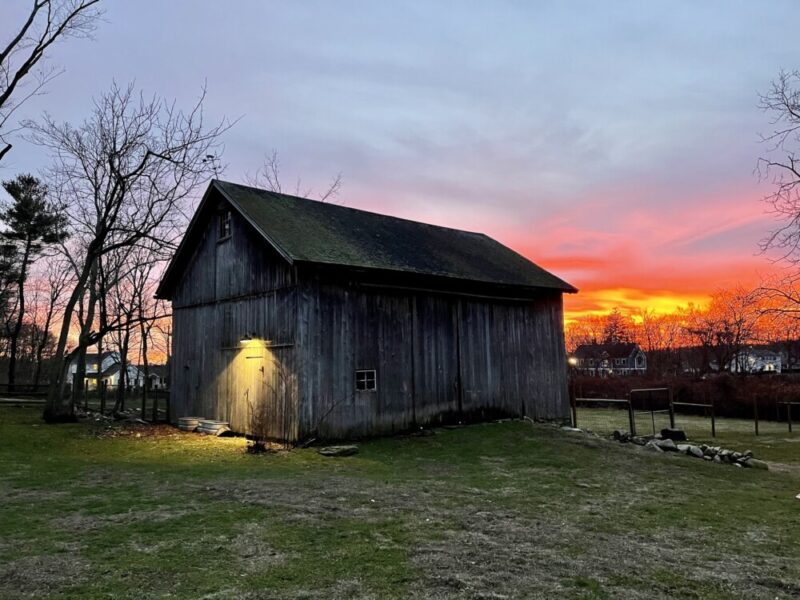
488 511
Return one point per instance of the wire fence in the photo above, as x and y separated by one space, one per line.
149 405
646 411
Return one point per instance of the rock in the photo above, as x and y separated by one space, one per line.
707 457
748 453
571 429
338 450
678 435
683 448
639 441
797 497
737 465
651 445
621 435
704 447
695 451
736 455
717 459
754 463
667 445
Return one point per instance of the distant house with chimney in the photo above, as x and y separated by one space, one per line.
611 358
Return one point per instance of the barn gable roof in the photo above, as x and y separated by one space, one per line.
309 231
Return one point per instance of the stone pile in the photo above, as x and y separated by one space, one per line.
710 453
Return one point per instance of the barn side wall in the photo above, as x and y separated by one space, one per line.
232 289
438 358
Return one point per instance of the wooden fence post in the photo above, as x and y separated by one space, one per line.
573 404
631 416
713 422
789 415
671 410
755 412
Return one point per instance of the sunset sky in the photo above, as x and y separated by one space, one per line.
613 143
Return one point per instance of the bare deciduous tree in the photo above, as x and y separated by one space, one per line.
125 174
781 165
268 177
24 56
725 327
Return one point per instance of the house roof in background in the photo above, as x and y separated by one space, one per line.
310 231
612 350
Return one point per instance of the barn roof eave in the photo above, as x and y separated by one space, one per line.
562 286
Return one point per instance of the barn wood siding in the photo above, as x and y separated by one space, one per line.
239 266
232 288
438 358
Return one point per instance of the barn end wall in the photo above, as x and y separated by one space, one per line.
438 358
231 289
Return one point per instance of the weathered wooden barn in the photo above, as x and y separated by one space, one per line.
335 322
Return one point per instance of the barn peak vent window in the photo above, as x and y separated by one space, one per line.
366 380
225 225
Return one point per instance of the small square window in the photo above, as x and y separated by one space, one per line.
366 381
225 225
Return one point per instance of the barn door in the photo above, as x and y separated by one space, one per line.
266 395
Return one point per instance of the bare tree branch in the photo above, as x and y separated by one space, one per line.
268 177
48 22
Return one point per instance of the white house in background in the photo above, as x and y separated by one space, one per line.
106 368
157 374
756 360
614 358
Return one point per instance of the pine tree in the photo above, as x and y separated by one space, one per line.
32 224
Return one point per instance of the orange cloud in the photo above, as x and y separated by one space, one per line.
634 254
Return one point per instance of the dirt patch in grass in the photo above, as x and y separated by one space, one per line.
343 497
38 576
84 522
253 551
350 589
504 554
11 494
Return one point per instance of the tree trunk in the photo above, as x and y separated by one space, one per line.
101 383
119 405
146 365
12 354
56 410
42 343
83 342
